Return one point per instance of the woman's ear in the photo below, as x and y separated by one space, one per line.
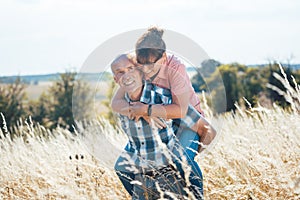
164 57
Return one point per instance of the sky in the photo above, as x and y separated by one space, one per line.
49 36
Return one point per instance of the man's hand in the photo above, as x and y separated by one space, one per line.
153 121
206 132
157 122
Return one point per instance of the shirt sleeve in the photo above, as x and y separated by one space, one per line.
178 79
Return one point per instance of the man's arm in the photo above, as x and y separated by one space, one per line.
119 103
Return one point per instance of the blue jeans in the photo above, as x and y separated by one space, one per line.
188 140
185 138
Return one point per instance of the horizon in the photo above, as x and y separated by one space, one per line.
187 67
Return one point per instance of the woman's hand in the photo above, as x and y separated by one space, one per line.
138 109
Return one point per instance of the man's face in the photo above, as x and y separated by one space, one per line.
127 75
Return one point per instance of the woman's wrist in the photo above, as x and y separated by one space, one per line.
143 110
149 110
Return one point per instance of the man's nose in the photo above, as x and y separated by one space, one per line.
126 74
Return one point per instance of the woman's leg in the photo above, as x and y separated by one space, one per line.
188 141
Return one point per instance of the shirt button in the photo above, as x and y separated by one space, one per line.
142 143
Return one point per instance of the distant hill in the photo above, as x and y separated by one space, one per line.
213 62
291 66
35 79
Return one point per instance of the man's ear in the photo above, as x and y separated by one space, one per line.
115 79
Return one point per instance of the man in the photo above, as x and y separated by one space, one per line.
139 155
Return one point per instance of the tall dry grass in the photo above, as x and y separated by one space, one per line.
255 156
57 165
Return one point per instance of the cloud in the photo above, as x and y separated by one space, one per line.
28 1
60 32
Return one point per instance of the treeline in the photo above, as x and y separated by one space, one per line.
71 97
55 107
241 82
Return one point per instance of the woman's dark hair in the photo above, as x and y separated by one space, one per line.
150 45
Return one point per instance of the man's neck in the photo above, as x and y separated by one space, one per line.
136 94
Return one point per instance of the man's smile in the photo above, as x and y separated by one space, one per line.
128 81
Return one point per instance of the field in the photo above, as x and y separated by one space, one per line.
256 155
34 91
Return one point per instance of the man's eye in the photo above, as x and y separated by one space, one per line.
119 74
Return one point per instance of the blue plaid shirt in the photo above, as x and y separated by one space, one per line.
147 143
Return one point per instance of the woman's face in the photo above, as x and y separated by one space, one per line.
152 68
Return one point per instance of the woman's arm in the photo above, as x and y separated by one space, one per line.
179 84
120 105
175 110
